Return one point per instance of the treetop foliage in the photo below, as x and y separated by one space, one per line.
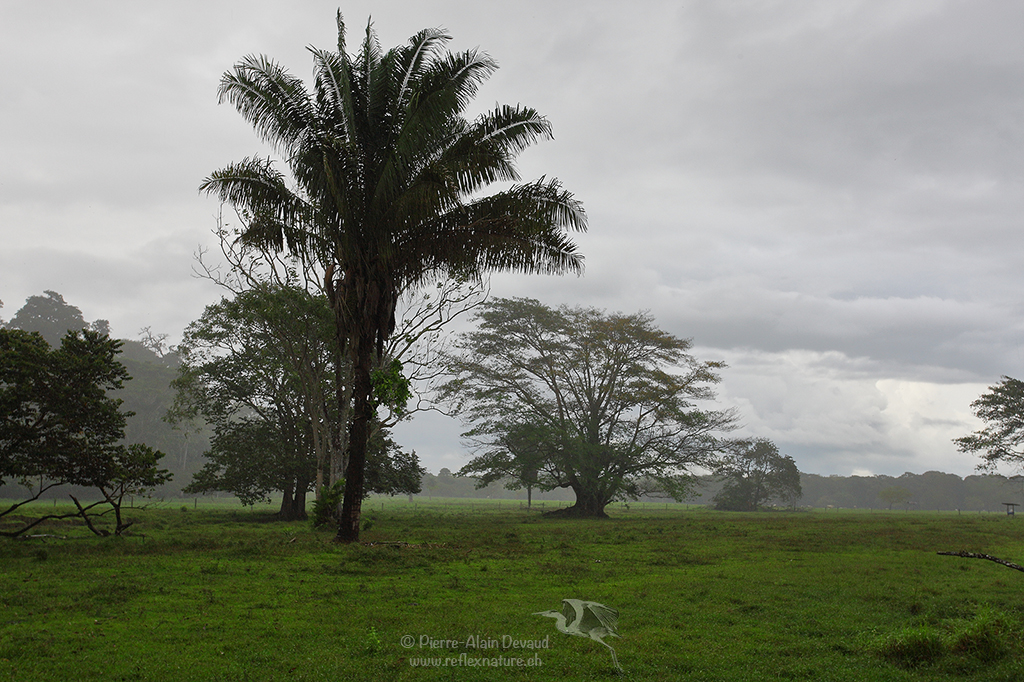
58 423
53 317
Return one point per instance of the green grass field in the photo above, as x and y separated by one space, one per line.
218 593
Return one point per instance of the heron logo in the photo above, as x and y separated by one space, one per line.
587 619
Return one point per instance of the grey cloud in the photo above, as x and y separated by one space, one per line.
828 194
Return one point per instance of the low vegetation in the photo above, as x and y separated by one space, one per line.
217 594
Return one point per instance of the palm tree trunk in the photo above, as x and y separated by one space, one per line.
362 387
343 396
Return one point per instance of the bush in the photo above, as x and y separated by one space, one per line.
325 509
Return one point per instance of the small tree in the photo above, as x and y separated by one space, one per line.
134 473
1001 441
517 461
602 404
754 474
58 425
389 469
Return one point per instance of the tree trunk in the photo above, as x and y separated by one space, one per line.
343 396
362 388
286 502
338 464
299 502
589 505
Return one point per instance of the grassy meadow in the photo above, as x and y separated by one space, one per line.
222 593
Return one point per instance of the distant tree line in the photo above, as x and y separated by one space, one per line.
251 401
931 490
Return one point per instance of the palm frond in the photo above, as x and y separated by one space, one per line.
253 183
268 97
513 129
276 216
334 90
419 52
430 122
330 168
340 21
368 62
463 73
485 152
542 204
522 230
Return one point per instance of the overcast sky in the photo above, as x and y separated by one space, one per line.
826 195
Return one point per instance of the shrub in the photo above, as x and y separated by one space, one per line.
325 509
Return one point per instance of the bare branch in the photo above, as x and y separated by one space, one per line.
989 557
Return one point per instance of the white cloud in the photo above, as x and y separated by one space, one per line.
833 415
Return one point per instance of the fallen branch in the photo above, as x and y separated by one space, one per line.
975 555
49 517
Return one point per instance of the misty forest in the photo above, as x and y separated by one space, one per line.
237 505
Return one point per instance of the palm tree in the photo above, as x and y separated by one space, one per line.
385 179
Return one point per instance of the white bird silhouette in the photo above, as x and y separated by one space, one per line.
587 619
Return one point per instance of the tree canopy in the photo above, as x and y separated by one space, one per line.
259 367
572 397
1001 441
57 422
53 317
387 174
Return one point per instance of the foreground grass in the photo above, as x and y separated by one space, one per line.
229 595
